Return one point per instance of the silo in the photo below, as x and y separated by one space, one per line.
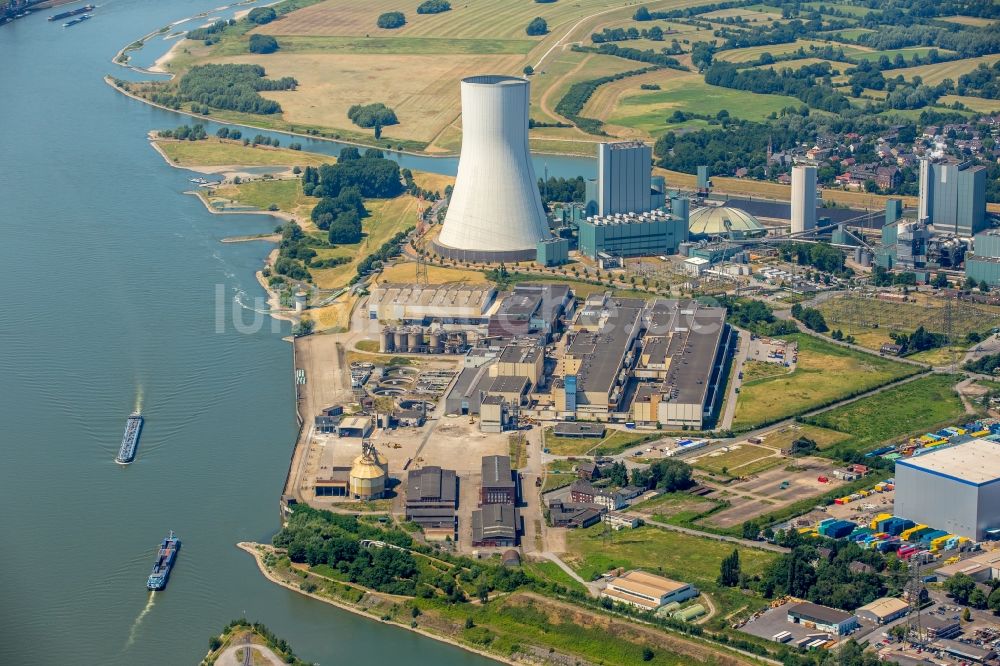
386 341
436 341
416 339
495 208
402 339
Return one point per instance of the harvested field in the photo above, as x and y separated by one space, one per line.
977 104
969 20
939 71
755 52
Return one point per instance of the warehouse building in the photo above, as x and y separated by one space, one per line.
531 309
966 475
822 618
647 591
495 526
420 304
431 499
883 611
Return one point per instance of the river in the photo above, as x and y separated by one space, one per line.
117 293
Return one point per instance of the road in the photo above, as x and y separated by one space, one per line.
228 656
726 422
746 543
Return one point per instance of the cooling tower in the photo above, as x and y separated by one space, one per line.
495 213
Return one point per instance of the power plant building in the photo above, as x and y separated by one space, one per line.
624 177
632 234
956 489
495 212
420 304
953 197
983 263
803 198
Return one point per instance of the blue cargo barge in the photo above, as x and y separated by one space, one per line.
130 440
165 558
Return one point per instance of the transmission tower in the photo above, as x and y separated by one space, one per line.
916 592
948 326
421 277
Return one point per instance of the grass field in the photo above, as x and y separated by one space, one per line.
614 441
285 194
674 507
802 62
913 408
551 572
854 10
824 373
215 152
753 370
851 33
693 559
648 111
783 437
732 462
938 72
754 52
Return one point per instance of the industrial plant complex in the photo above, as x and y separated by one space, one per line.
579 369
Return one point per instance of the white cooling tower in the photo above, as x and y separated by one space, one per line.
495 211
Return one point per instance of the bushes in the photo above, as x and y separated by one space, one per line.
208 34
330 208
433 6
372 115
537 27
572 102
263 44
391 20
262 15
649 55
185 133
809 83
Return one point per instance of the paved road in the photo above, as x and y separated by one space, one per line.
593 587
726 422
228 656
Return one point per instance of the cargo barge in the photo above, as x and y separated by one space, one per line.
78 19
130 440
72 12
165 558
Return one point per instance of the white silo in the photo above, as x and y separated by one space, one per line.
803 198
495 211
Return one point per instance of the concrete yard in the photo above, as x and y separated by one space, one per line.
775 620
762 493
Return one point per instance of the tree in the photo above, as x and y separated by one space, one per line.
263 44
959 587
618 474
262 15
940 281
647 653
528 70
391 20
966 615
993 602
537 27
729 570
977 598
346 228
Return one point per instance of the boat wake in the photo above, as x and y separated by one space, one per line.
142 614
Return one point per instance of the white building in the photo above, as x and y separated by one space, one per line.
647 591
803 198
955 488
495 212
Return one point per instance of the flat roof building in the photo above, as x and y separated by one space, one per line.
631 235
954 488
822 618
647 591
420 304
953 196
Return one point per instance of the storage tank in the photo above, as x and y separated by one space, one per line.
436 341
369 473
416 338
402 339
386 341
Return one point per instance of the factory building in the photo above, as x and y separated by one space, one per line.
983 263
531 309
495 212
956 489
552 251
631 234
647 591
412 303
431 499
803 198
952 196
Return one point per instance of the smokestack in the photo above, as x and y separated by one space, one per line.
803 198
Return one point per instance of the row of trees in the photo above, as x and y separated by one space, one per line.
661 59
810 317
918 341
622 34
185 133
572 102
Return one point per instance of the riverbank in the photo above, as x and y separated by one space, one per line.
258 551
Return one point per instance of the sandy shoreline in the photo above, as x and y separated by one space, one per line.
251 548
